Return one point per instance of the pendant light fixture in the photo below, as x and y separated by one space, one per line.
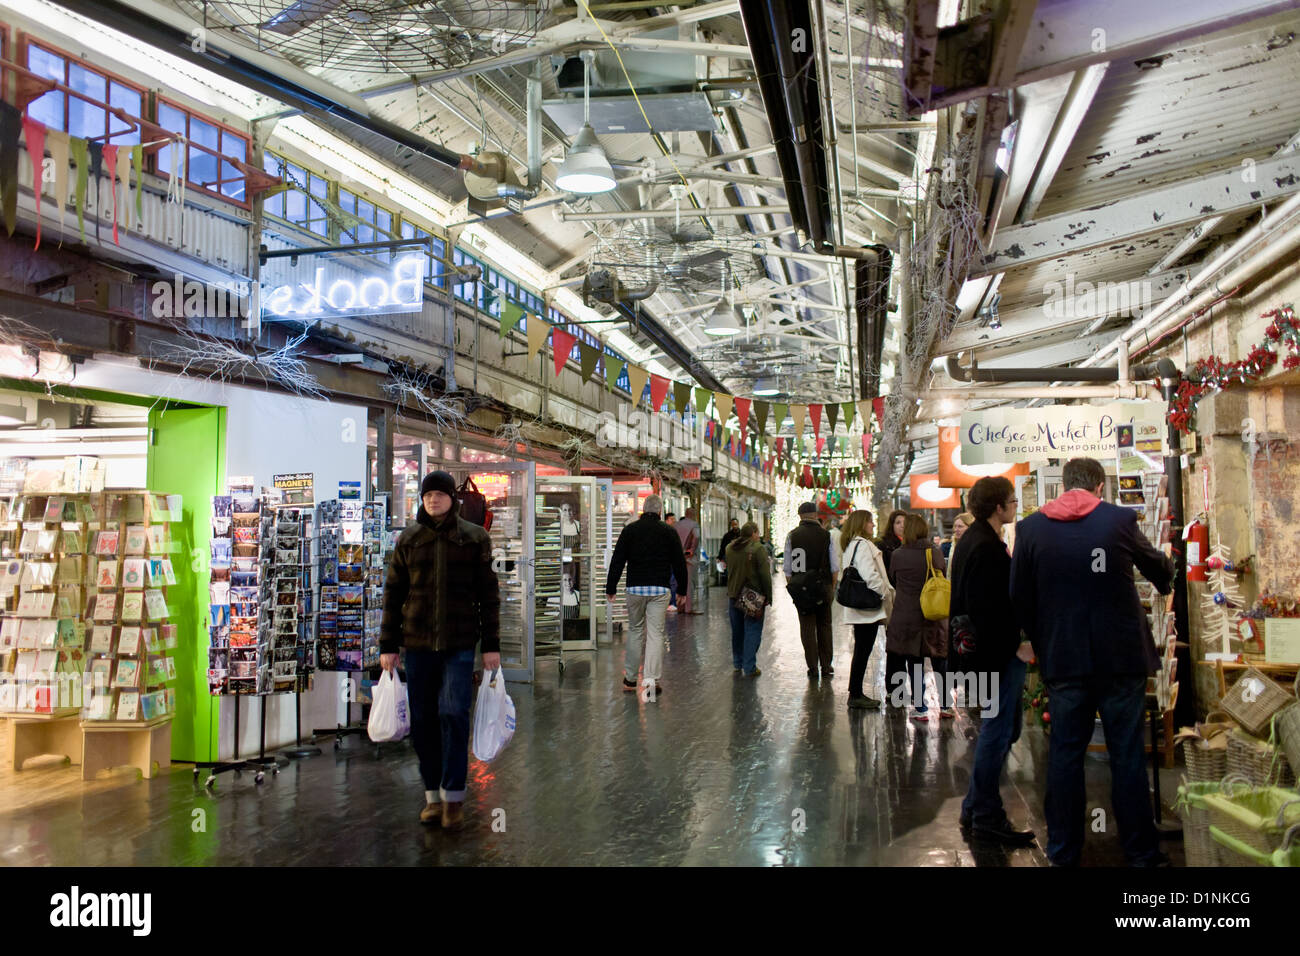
766 387
586 168
722 320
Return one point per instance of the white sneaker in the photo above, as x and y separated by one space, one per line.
672 609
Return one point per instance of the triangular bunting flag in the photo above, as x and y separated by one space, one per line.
778 417
658 391
742 415
821 443
832 414
702 398
848 415
562 346
590 359
760 412
96 150
511 316
538 330
798 412
613 372
81 158
815 411
864 409
110 162
56 141
878 406
637 376
866 446
34 134
681 397
723 404
137 161
780 447
124 174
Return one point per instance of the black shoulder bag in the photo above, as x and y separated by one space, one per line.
853 591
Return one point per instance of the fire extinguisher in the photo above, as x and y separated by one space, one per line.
1197 536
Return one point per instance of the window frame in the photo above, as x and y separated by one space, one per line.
23 48
222 129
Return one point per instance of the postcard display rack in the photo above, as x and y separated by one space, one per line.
548 620
86 629
260 602
353 550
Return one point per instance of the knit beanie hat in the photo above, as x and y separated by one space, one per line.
438 481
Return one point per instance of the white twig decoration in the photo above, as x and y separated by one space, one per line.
224 361
417 390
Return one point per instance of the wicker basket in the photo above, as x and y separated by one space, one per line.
1235 853
1253 704
1206 764
1199 846
1258 817
1261 763
1286 724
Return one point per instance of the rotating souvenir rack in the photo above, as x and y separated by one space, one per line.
86 624
243 578
353 565
293 637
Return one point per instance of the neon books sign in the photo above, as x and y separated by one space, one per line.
403 291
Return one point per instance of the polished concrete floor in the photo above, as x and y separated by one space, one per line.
719 771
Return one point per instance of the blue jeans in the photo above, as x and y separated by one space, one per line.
746 633
440 687
983 803
1074 703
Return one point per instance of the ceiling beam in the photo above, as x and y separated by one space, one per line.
1071 303
1046 356
1063 36
619 216
1178 204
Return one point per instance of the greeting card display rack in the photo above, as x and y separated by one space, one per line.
293 641
86 629
548 620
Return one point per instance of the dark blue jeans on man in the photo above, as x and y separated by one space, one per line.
746 633
440 688
983 803
1074 704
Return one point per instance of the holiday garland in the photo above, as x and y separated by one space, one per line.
1213 375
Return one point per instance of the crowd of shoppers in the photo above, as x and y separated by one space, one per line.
1066 598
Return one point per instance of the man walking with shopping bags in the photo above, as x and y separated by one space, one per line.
652 553
440 600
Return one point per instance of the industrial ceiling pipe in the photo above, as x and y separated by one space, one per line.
180 43
793 112
1116 390
871 280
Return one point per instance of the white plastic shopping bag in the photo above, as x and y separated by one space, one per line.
390 713
494 718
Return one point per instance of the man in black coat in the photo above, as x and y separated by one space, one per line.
1073 589
987 652
652 552
732 534
441 600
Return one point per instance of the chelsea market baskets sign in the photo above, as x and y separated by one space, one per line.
996 435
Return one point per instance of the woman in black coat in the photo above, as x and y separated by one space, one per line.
892 539
909 635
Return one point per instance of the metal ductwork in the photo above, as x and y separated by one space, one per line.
871 280
602 285
179 43
787 79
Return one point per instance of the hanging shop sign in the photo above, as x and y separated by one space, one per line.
927 492
955 473
691 471
340 294
993 435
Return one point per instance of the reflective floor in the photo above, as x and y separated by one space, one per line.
719 771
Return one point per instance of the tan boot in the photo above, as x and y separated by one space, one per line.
431 813
453 816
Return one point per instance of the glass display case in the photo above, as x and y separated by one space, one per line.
575 499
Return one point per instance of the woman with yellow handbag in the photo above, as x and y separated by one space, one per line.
915 631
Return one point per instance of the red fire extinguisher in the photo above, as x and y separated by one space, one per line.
1197 536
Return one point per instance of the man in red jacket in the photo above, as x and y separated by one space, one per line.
1073 590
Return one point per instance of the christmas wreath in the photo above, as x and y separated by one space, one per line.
1213 375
